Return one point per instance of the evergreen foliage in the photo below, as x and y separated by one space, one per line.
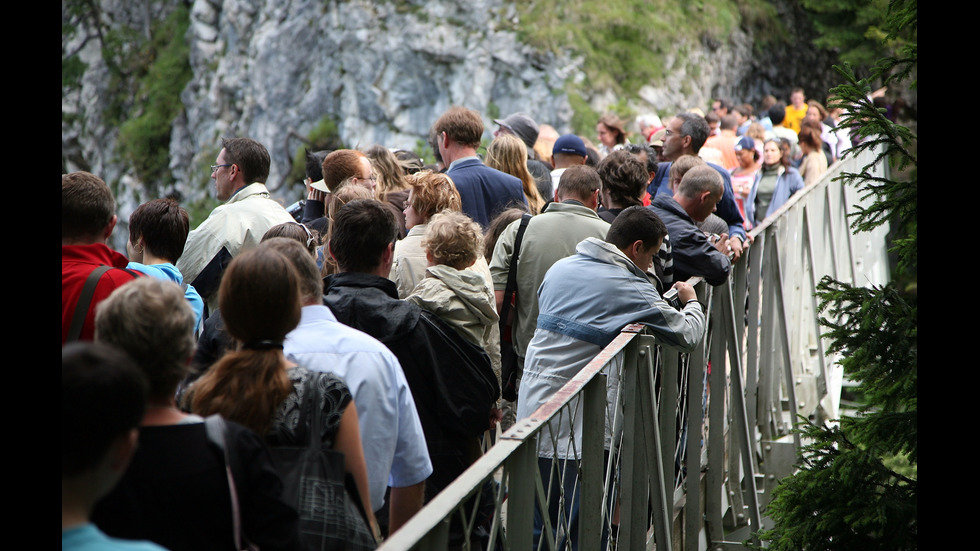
859 29
144 137
857 484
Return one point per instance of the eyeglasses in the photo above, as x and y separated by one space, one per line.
216 167
372 178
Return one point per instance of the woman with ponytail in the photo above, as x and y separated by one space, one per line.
176 492
256 386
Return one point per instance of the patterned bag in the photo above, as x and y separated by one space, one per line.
331 515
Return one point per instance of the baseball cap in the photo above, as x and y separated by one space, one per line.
523 126
569 143
745 142
657 138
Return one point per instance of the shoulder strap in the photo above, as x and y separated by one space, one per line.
512 272
310 411
216 430
84 301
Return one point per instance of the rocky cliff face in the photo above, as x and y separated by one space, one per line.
383 71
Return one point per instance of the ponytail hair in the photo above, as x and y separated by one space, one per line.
259 301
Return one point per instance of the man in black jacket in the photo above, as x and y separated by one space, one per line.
695 254
451 379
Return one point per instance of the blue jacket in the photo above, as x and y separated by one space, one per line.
727 209
169 272
689 248
788 183
485 192
594 293
586 300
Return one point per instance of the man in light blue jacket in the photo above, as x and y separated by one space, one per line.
584 302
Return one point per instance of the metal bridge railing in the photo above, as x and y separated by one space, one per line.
687 452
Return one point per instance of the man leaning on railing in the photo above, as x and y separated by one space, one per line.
584 302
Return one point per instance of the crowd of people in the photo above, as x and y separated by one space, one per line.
398 317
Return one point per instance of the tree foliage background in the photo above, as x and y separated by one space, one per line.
857 484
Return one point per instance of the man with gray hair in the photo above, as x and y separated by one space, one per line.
685 135
693 254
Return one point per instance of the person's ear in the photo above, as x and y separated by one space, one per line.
110 226
637 248
389 253
122 450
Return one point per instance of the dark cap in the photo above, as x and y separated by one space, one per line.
569 143
523 126
745 142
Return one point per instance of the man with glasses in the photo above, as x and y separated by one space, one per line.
685 135
239 174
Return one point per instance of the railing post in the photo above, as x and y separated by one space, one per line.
693 517
661 492
714 481
521 469
667 405
739 419
753 377
633 501
591 504
436 539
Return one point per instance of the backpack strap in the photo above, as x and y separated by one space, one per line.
85 299
512 272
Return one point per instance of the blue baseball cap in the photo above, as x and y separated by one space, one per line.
569 143
745 142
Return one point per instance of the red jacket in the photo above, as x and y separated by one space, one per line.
77 262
